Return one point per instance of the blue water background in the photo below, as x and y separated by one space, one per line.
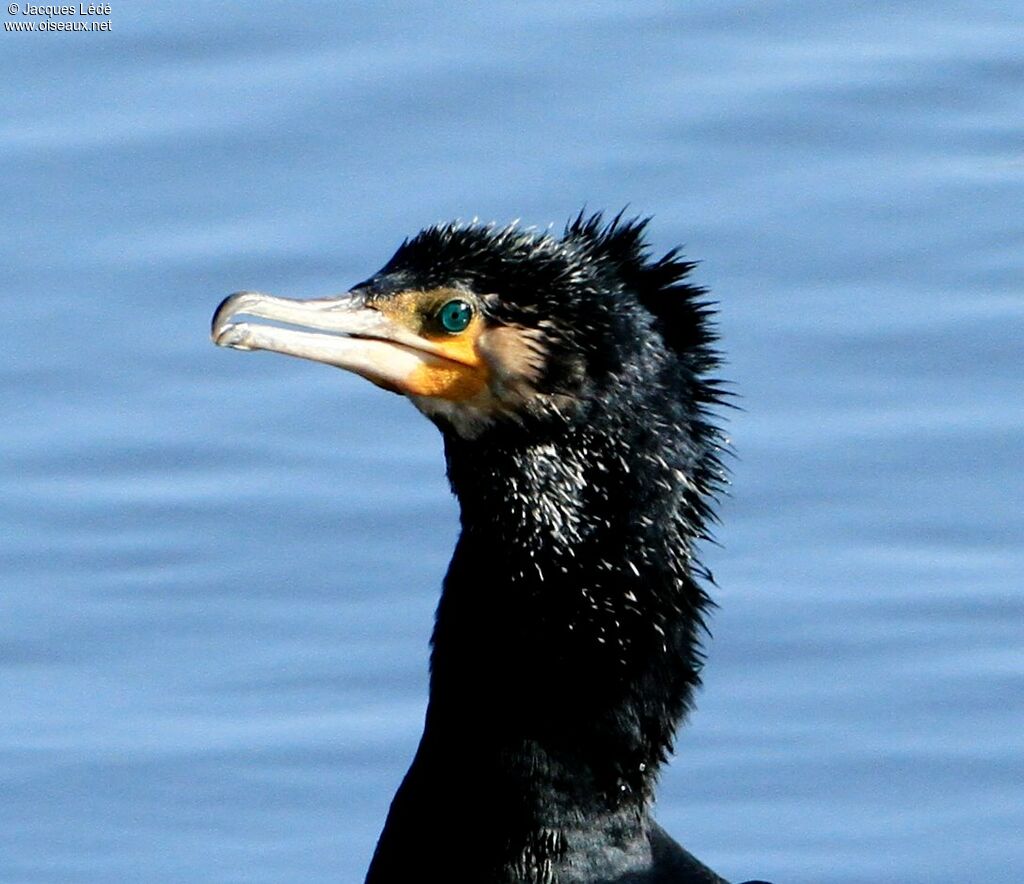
219 570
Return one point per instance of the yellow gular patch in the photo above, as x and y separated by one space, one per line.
458 371
446 380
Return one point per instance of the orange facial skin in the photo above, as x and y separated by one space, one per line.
459 371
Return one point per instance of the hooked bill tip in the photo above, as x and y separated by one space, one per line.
221 322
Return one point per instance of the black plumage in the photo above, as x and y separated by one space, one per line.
567 644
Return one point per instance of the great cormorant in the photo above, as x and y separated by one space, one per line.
573 382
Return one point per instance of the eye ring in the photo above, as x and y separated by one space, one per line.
455 315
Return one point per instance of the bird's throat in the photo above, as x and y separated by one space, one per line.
565 654
567 633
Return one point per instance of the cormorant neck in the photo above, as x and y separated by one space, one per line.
566 643
565 650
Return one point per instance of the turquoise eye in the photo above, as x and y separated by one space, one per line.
455 316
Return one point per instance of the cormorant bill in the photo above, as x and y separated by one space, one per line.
573 382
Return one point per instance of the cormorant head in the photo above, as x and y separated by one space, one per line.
487 328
